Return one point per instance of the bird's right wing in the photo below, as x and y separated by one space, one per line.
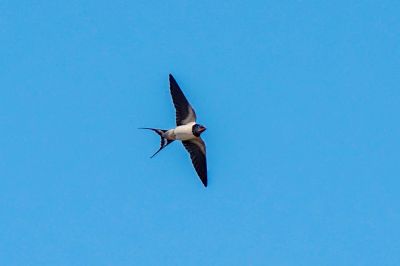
197 149
184 112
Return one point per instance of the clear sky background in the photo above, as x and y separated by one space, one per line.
301 100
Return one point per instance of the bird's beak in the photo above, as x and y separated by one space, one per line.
202 129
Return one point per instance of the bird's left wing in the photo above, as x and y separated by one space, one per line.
184 112
197 149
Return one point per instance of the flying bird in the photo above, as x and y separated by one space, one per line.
186 130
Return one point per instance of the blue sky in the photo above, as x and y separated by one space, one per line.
300 98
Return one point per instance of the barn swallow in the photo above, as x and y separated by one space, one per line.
186 130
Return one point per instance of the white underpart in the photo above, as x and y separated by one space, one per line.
183 132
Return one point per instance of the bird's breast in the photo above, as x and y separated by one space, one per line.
184 132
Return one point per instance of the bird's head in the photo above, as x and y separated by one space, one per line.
197 129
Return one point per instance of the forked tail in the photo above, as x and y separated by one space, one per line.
164 142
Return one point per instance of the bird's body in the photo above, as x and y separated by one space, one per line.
184 132
187 131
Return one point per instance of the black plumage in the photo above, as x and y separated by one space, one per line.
184 112
197 150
